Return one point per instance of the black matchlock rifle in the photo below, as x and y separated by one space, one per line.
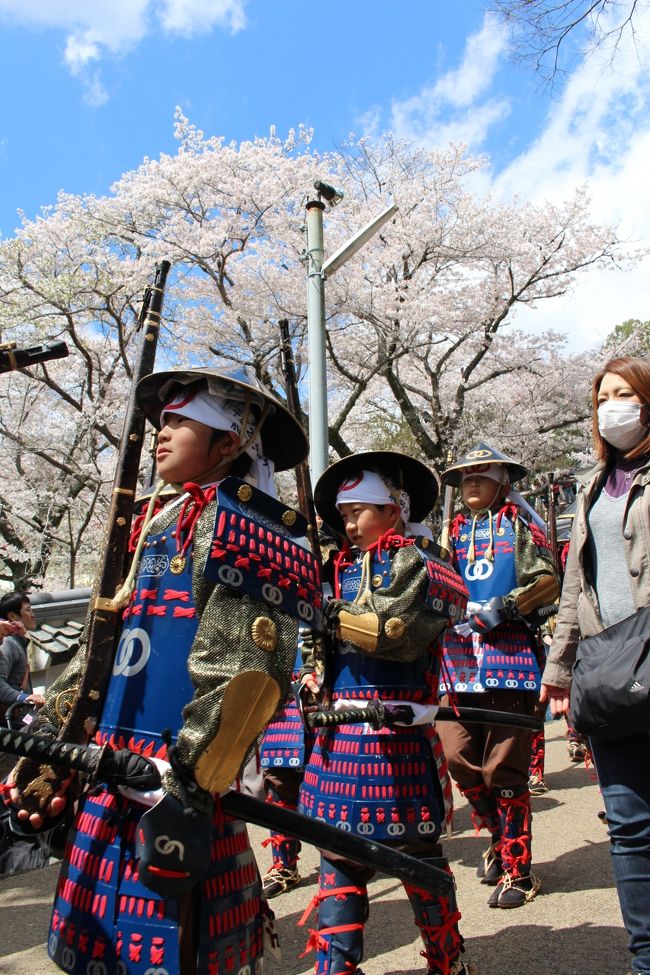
83 717
303 480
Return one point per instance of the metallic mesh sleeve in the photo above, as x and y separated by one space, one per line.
537 579
224 648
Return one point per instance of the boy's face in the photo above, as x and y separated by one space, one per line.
185 451
480 492
365 523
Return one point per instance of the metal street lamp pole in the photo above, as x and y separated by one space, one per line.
317 271
316 340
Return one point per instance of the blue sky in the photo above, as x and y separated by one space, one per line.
90 88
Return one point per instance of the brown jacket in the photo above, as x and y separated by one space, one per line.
579 614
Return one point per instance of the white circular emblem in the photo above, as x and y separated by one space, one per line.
156 971
277 761
305 611
396 829
491 682
506 793
52 943
68 958
512 683
166 847
460 686
95 967
529 685
365 829
426 828
481 569
437 604
132 653
271 594
294 762
344 826
230 576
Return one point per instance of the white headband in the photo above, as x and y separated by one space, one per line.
227 414
370 488
494 471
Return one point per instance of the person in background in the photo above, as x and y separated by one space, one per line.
17 619
491 661
607 579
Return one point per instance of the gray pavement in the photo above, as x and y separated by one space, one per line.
573 927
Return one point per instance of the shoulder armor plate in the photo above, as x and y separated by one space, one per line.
258 548
447 593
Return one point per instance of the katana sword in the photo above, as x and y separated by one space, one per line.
99 763
380 715
123 767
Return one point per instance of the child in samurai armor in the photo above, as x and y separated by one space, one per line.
284 750
204 659
282 758
490 662
392 600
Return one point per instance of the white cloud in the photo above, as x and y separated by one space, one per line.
93 28
198 16
597 131
456 107
80 49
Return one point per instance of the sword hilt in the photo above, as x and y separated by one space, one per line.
374 715
50 761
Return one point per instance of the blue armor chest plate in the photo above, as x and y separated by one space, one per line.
150 684
355 674
504 658
484 577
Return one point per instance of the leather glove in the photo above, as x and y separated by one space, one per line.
174 844
490 615
331 611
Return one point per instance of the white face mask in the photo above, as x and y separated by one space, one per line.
620 424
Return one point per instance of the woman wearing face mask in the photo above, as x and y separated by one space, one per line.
608 579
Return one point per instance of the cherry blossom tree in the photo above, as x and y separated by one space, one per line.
423 350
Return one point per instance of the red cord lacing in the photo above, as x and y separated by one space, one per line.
198 499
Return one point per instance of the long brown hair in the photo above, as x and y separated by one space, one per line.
636 373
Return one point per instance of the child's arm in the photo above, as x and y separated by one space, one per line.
240 665
538 583
392 623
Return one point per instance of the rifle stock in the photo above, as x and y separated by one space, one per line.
83 717
447 513
552 521
303 479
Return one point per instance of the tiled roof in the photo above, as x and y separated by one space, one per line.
60 619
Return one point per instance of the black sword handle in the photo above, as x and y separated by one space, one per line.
122 767
378 716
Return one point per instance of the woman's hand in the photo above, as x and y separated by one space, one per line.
557 698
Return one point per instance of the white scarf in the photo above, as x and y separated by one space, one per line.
370 488
228 414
